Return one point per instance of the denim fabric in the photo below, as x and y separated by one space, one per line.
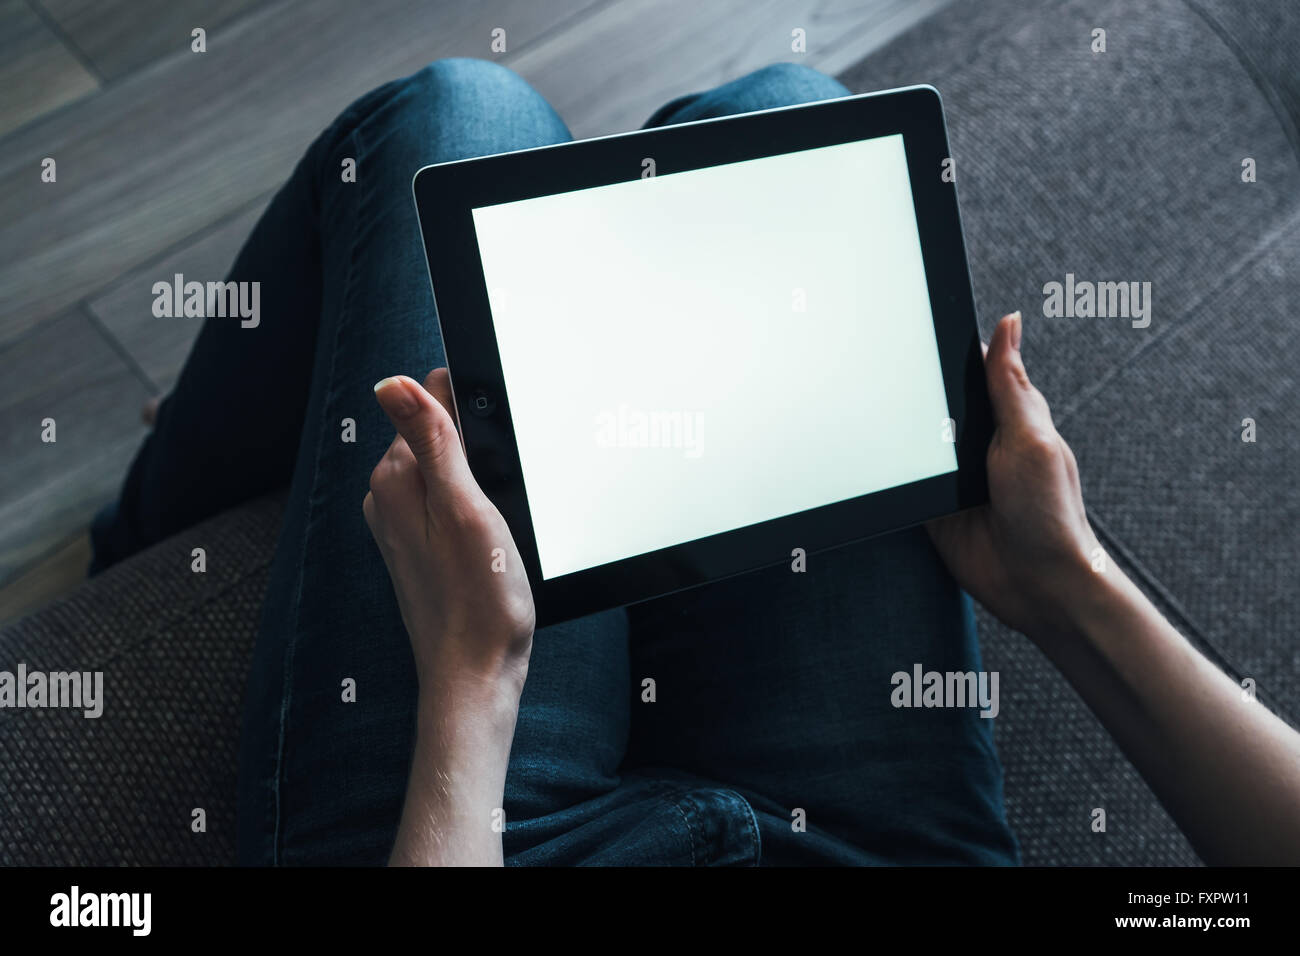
772 688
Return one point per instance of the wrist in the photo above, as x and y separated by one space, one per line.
467 723
472 658
449 681
1089 598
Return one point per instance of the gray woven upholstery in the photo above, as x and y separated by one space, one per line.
174 648
1123 165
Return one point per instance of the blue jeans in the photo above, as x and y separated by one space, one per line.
771 737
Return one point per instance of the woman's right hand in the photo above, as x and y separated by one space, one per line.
458 577
468 610
1028 553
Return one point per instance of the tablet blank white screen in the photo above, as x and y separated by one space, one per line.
692 353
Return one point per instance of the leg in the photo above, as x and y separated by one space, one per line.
229 429
781 84
779 683
321 779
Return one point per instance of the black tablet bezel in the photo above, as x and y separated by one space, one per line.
446 194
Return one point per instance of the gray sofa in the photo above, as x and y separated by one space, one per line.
1117 165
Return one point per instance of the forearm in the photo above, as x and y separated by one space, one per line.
1226 768
453 812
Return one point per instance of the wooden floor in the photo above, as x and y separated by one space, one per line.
164 157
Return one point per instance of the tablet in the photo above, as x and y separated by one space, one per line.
683 353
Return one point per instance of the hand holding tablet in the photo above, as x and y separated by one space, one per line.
768 345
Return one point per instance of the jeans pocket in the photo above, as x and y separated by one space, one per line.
721 825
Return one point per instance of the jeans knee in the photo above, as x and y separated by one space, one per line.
452 109
780 84
471 79
476 107
785 71
793 82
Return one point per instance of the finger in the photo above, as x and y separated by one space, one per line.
1015 401
400 460
438 384
397 473
428 431
400 451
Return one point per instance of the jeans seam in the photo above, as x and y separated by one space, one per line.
690 829
291 638
755 834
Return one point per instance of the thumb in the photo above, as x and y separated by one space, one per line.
428 430
1015 401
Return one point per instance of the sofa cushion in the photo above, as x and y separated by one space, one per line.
173 646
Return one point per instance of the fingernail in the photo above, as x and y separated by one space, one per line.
398 399
1015 330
